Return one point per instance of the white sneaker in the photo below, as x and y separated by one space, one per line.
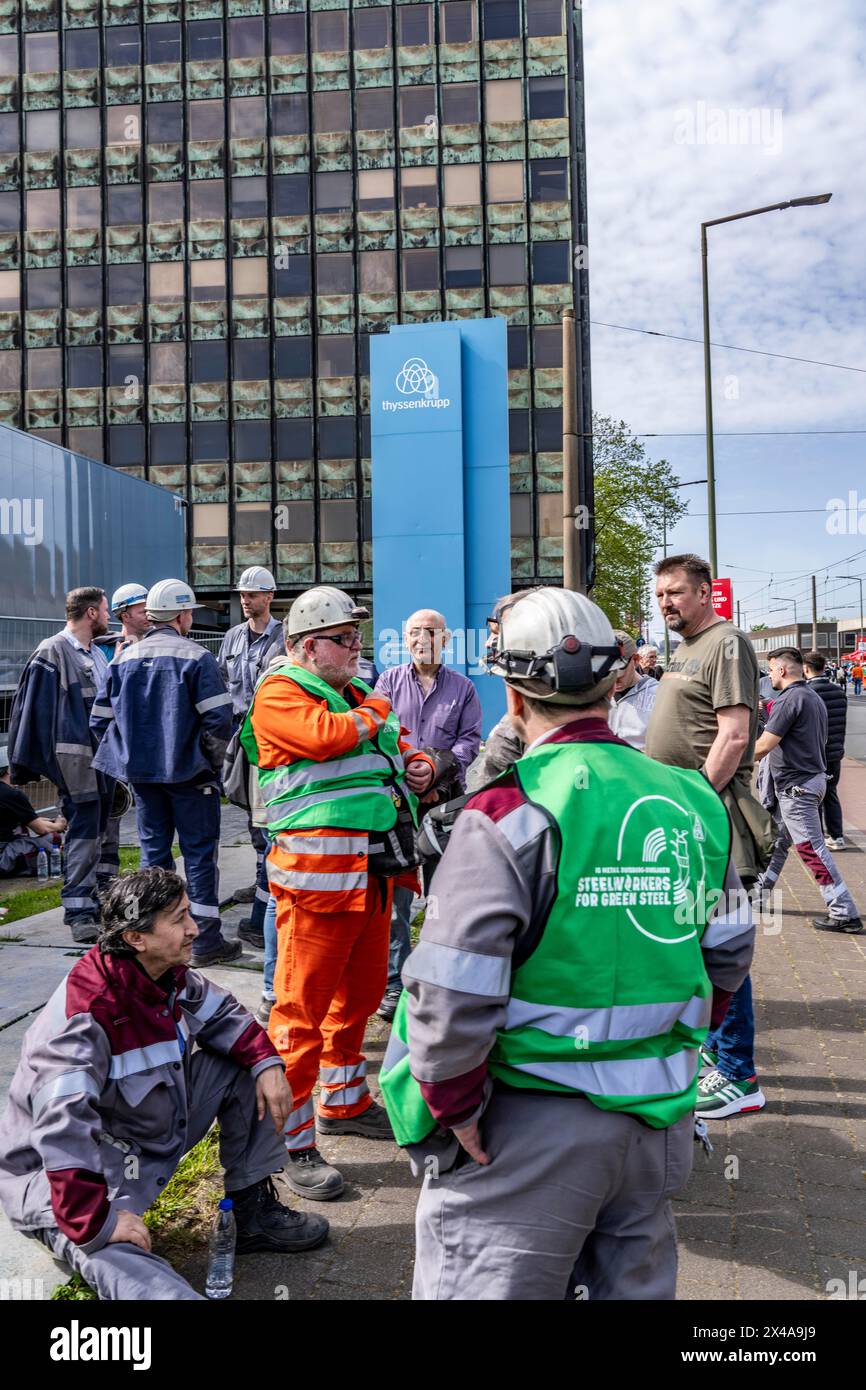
836 845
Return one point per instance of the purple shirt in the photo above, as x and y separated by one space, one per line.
448 717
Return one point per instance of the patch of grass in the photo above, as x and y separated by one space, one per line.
74 1291
28 901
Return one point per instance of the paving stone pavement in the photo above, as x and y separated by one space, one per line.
775 1212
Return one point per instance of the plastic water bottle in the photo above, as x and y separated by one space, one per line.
221 1252
42 864
56 862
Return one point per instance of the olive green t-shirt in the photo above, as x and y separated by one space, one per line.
706 673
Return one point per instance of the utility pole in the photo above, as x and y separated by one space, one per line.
572 569
738 614
814 615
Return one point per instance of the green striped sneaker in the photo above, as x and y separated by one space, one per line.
718 1097
709 1060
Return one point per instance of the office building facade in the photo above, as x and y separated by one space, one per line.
208 206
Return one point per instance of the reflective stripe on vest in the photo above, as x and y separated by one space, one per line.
329 869
637 1077
621 1022
287 778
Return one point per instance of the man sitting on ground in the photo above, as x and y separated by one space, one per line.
23 832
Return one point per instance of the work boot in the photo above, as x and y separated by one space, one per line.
217 955
244 895
372 1123
263 1223
263 1015
851 926
310 1176
388 1006
253 936
85 933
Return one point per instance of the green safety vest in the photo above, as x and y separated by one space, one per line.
614 1001
357 790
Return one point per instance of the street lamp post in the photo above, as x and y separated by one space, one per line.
708 386
694 482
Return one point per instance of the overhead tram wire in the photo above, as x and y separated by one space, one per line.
729 347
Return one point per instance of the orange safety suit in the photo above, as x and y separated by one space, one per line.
332 949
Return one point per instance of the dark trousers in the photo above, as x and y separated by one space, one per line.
831 811
194 812
88 866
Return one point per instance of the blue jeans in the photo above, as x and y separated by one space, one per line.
194 811
401 944
734 1041
270 930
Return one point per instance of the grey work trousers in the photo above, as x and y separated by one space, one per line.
574 1203
799 820
250 1150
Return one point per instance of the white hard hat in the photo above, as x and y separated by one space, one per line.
127 596
558 646
170 597
323 607
256 579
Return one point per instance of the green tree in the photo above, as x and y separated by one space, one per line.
635 499
757 627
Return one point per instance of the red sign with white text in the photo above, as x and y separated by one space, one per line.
723 599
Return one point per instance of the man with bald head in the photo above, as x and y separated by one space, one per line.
441 710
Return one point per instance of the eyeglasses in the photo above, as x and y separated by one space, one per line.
343 639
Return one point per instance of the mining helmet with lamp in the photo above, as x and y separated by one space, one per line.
558 646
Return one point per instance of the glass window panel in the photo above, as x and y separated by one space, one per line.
210 441
167 442
252 519
126 444
462 184
253 441
290 114
83 131
9 55
460 102
43 367
10 212
365 431
42 53
333 192
42 130
547 347
84 286
375 190
210 520
10 289
336 355
162 43
550 262
204 40
463 267
337 437
10 139
334 273
250 197
372 28
331 111
521 512
457 20
209 361
330 31
293 357
122 45
122 125
548 180
374 107
87 442
503 101
417 104
518 431
507 265
518 347
420 270
125 283
165 202
246 37
43 289
251 359
248 118
123 203
207 198
287 33
339 521
546 98
167 361
164 122
10 371
42 209
206 120
295 278
543 17
501 19
125 361
207 280
165 279
84 366
548 430
378 271
84 207
415 25
295 439
302 521
249 275
418 188
291 195
505 182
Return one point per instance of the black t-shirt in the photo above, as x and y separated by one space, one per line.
799 719
15 810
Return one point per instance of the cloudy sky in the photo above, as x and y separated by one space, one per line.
667 149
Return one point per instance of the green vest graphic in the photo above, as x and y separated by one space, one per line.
614 1001
358 790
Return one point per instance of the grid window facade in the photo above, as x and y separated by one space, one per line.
207 207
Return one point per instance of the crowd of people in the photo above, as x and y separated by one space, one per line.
543 1077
